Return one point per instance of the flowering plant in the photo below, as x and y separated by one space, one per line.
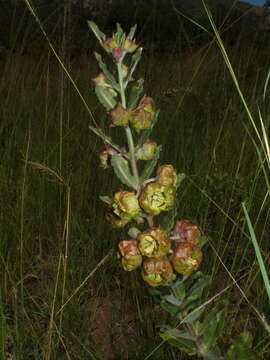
167 251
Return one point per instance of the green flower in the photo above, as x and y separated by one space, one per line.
166 175
154 243
186 231
142 117
130 45
119 115
131 257
186 258
156 198
157 272
116 221
126 205
147 151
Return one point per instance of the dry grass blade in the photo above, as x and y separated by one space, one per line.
48 171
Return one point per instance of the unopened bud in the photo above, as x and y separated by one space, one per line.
131 257
186 231
166 175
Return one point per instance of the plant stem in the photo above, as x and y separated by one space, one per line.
129 136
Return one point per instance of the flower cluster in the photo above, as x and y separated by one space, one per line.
158 252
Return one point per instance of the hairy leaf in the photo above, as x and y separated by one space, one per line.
98 33
122 171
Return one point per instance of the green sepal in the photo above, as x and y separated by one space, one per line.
122 171
185 345
108 75
105 97
135 93
146 133
150 165
106 200
213 325
98 33
168 220
241 349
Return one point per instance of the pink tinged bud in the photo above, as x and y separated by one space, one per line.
131 257
147 151
157 272
156 198
142 117
105 157
118 53
186 258
166 175
186 231
130 45
154 243
119 115
100 80
126 205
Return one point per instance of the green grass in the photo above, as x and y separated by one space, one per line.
59 278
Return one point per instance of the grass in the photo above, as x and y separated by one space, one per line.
60 278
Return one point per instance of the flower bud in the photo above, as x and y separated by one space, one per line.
125 205
131 257
130 45
119 115
110 44
147 151
100 80
156 198
118 53
142 117
186 258
157 272
166 175
187 232
154 243
105 157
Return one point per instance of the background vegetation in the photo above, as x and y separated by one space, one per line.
62 293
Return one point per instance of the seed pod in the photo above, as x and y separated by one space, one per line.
157 272
166 175
131 257
187 232
186 258
156 198
154 243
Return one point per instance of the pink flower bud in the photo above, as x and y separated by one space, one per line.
166 175
118 53
131 257
186 231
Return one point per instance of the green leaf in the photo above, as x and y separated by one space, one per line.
185 345
132 32
150 165
106 199
175 333
108 75
203 240
119 36
168 220
172 300
105 97
197 288
241 349
134 62
105 138
213 325
98 33
193 316
170 308
122 171
135 93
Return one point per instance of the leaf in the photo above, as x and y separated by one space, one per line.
135 93
106 200
105 97
134 62
172 300
132 32
150 166
98 33
213 325
119 36
179 334
197 288
193 316
108 75
170 308
168 220
185 345
241 349
122 171
105 138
